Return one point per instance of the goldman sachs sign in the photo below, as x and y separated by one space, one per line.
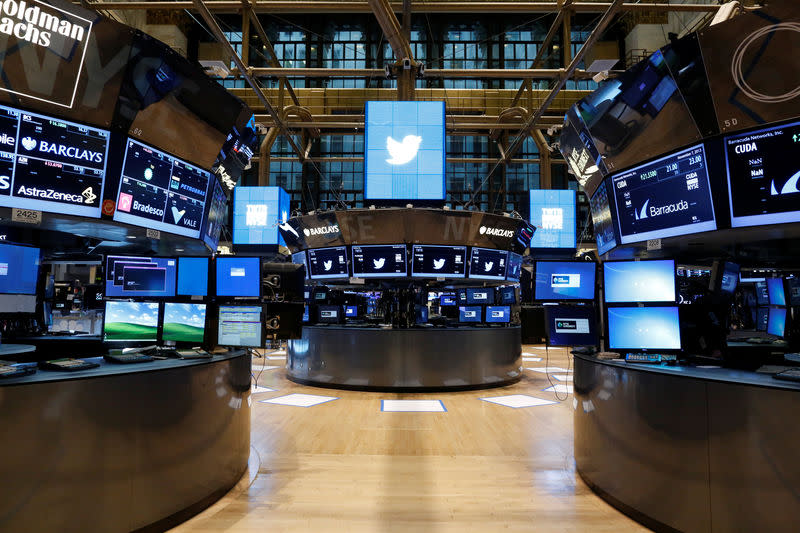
38 36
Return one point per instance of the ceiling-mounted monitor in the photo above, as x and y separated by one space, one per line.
428 261
666 197
216 209
604 231
328 263
486 263
380 261
552 212
257 212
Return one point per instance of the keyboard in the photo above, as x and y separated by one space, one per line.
758 340
67 365
772 369
793 357
128 358
789 375
649 358
193 354
15 370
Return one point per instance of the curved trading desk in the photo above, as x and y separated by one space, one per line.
689 449
416 358
122 447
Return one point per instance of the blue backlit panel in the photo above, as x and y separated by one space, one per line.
639 281
553 214
776 321
644 328
564 280
257 211
404 151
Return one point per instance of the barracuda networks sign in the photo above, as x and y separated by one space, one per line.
45 37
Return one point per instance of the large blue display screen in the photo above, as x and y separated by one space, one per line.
776 322
639 281
644 328
192 276
19 269
564 280
238 276
777 296
404 151
664 198
129 277
553 214
257 211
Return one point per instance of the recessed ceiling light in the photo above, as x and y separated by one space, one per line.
131 236
178 249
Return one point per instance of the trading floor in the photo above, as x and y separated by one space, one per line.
347 465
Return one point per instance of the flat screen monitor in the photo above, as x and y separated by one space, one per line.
184 322
482 296
328 263
428 261
421 314
320 294
239 325
508 295
216 209
564 280
498 314
192 276
776 322
50 164
159 191
238 276
486 263
604 232
130 321
257 212
306 314
664 198
140 277
330 314
777 296
762 178
639 281
730 277
461 296
762 318
470 313
19 269
380 261
350 311
447 299
404 152
299 258
793 287
644 328
762 294
571 325
552 212
514 266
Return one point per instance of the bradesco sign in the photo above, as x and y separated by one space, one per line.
58 37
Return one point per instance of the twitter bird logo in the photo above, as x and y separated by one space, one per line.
327 264
403 152
438 264
488 266
379 263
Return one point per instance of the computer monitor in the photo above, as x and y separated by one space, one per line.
639 281
447 299
380 261
351 311
240 326
192 276
762 318
498 314
777 296
569 325
776 322
130 321
306 314
469 313
421 314
438 261
140 277
486 263
508 295
184 323
762 294
320 294
299 258
644 328
461 296
514 266
328 263
238 276
482 296
330 314
730 277
564 280
793 290
19 269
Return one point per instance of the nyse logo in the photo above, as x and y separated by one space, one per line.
552 218
402 152
256 215
565 281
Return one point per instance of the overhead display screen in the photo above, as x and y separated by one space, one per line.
486 263
404 151
325 263
379 261
438 261
19 269
257 211
159 191
553 214
514 266
564 280
130 321
763 176
601 218
217 207
639 281
569 325
644 328
129 277
52 165
239 276
580 153
664 198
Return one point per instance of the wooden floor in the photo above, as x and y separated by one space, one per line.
346 466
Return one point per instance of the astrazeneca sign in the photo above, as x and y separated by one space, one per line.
43 35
